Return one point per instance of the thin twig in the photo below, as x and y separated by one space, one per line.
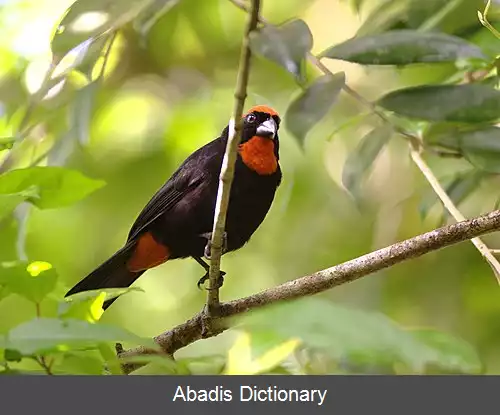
192 330
47 367
227 170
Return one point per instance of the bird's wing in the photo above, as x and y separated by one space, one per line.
190 175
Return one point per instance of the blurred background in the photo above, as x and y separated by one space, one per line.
167 90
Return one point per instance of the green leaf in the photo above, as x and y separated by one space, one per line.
55 186
286 45
79 363
450 353
360 161
87 19
313 104
462 186
345 334
32 286
481 147
12 355
471 103
48 334
89 309
403 47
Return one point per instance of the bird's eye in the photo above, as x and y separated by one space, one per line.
251 118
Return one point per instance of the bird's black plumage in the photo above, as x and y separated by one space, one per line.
181 213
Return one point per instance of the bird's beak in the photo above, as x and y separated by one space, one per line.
267 129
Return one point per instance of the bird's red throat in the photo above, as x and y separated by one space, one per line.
258 155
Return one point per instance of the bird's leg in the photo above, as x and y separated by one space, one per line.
206 267
208 246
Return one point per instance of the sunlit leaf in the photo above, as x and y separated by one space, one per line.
89 309
241 362
403 47
471 103
239 357
86 19
48 187
344 334
37 267
34 286
287 45
45 334
313 104
361 159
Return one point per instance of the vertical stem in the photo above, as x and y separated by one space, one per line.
227 170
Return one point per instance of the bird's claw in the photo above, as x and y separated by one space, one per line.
220 281
208 247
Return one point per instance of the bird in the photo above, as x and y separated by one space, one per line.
177 222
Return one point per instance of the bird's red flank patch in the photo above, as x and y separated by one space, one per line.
262 108
258 154
148 254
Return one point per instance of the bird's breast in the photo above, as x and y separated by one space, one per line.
258 155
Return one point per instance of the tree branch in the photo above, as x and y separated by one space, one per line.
192 330
227 170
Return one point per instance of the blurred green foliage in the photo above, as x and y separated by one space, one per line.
100 104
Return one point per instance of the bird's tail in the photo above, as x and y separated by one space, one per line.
111 274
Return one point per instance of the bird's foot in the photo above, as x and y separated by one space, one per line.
220 281
208 247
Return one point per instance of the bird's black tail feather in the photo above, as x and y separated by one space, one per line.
111 274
